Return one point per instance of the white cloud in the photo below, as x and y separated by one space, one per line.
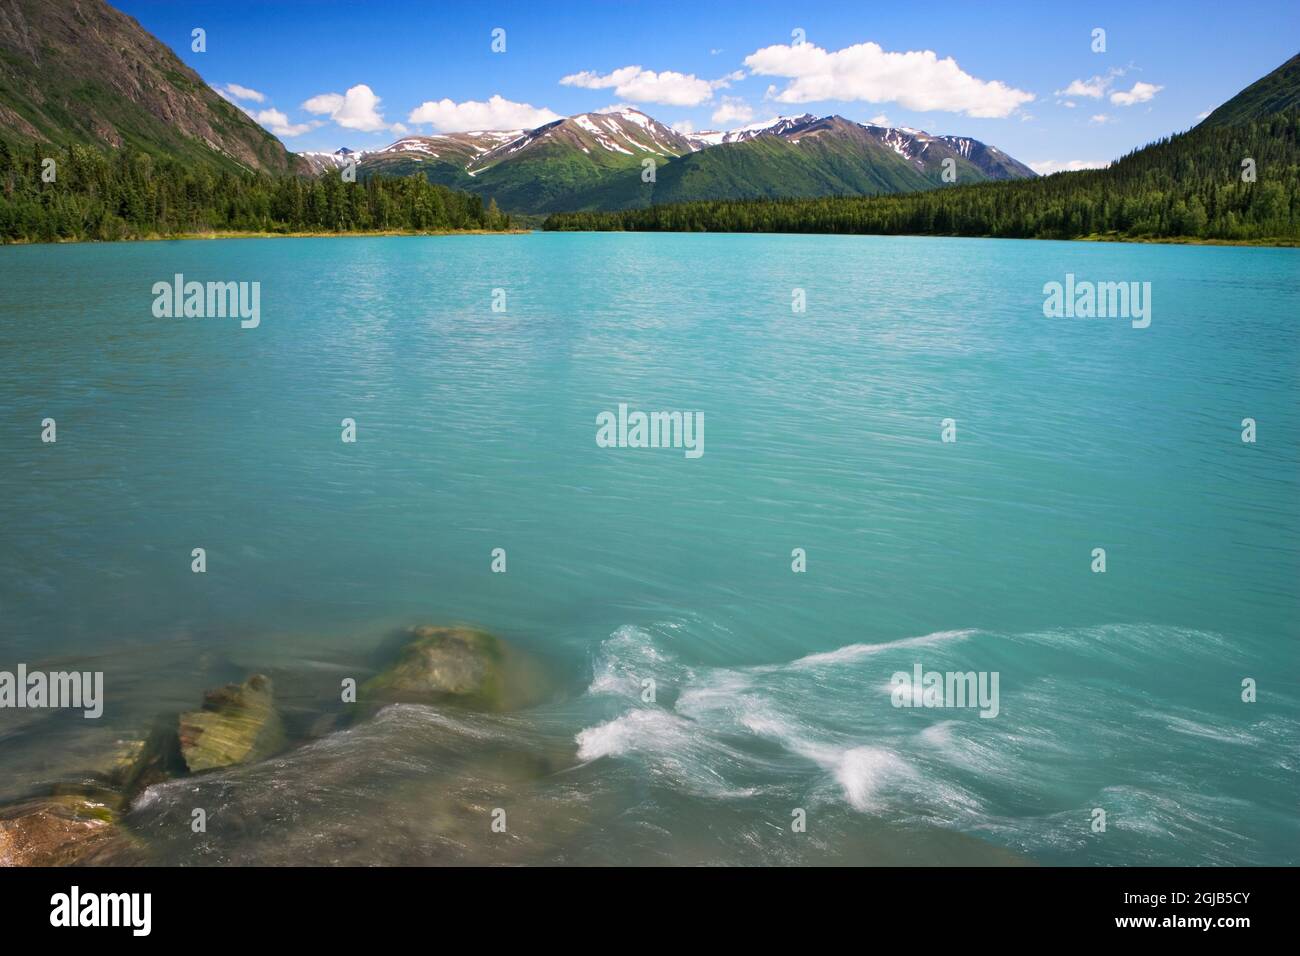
916 80
1141 93
686 127
233 91
1099 119
1094 87
1049 166
279 124
448 116
732 110
880 119
1201 116
273 119
357 109
646 86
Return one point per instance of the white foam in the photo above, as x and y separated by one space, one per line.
853 652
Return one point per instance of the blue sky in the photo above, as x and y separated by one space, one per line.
1021 76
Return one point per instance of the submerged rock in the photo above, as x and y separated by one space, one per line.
413 786
238 724
462 664
143 761
61 830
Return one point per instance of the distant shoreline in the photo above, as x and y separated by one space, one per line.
270 235
1147 240
1143 240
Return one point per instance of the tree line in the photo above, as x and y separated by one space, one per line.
1238 182
79 192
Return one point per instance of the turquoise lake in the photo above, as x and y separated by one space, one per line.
476 430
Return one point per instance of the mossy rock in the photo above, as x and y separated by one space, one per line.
141 762
459 664
60 830
237 724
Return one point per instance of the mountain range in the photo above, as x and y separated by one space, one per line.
596 161
83 72
1233 178
78 73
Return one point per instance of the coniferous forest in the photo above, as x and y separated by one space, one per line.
1195 185
125 194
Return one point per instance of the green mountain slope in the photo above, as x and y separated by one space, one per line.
85 73
596 161
1189 185
1278 92
553 166
834 157
549 175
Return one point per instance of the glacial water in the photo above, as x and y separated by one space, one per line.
476 430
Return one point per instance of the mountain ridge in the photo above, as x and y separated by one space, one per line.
1189 186
87 73
1276 92
596 160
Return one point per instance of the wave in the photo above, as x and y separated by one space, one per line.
1085 714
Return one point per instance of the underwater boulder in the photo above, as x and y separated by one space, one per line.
237 724
463 664
141 762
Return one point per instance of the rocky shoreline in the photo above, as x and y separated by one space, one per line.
84 823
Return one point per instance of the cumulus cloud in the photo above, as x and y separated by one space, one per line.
1099 119
1049 166
233 92
1093 88
685 127
279 124
917 79
1141 93
880 119
274 120
733 109
357 109
1096 87
448 116
646 86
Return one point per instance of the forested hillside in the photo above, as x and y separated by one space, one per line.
127 194
1191 185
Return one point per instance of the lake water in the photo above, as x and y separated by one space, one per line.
476 430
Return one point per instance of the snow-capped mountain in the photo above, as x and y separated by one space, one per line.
594 160
777 126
